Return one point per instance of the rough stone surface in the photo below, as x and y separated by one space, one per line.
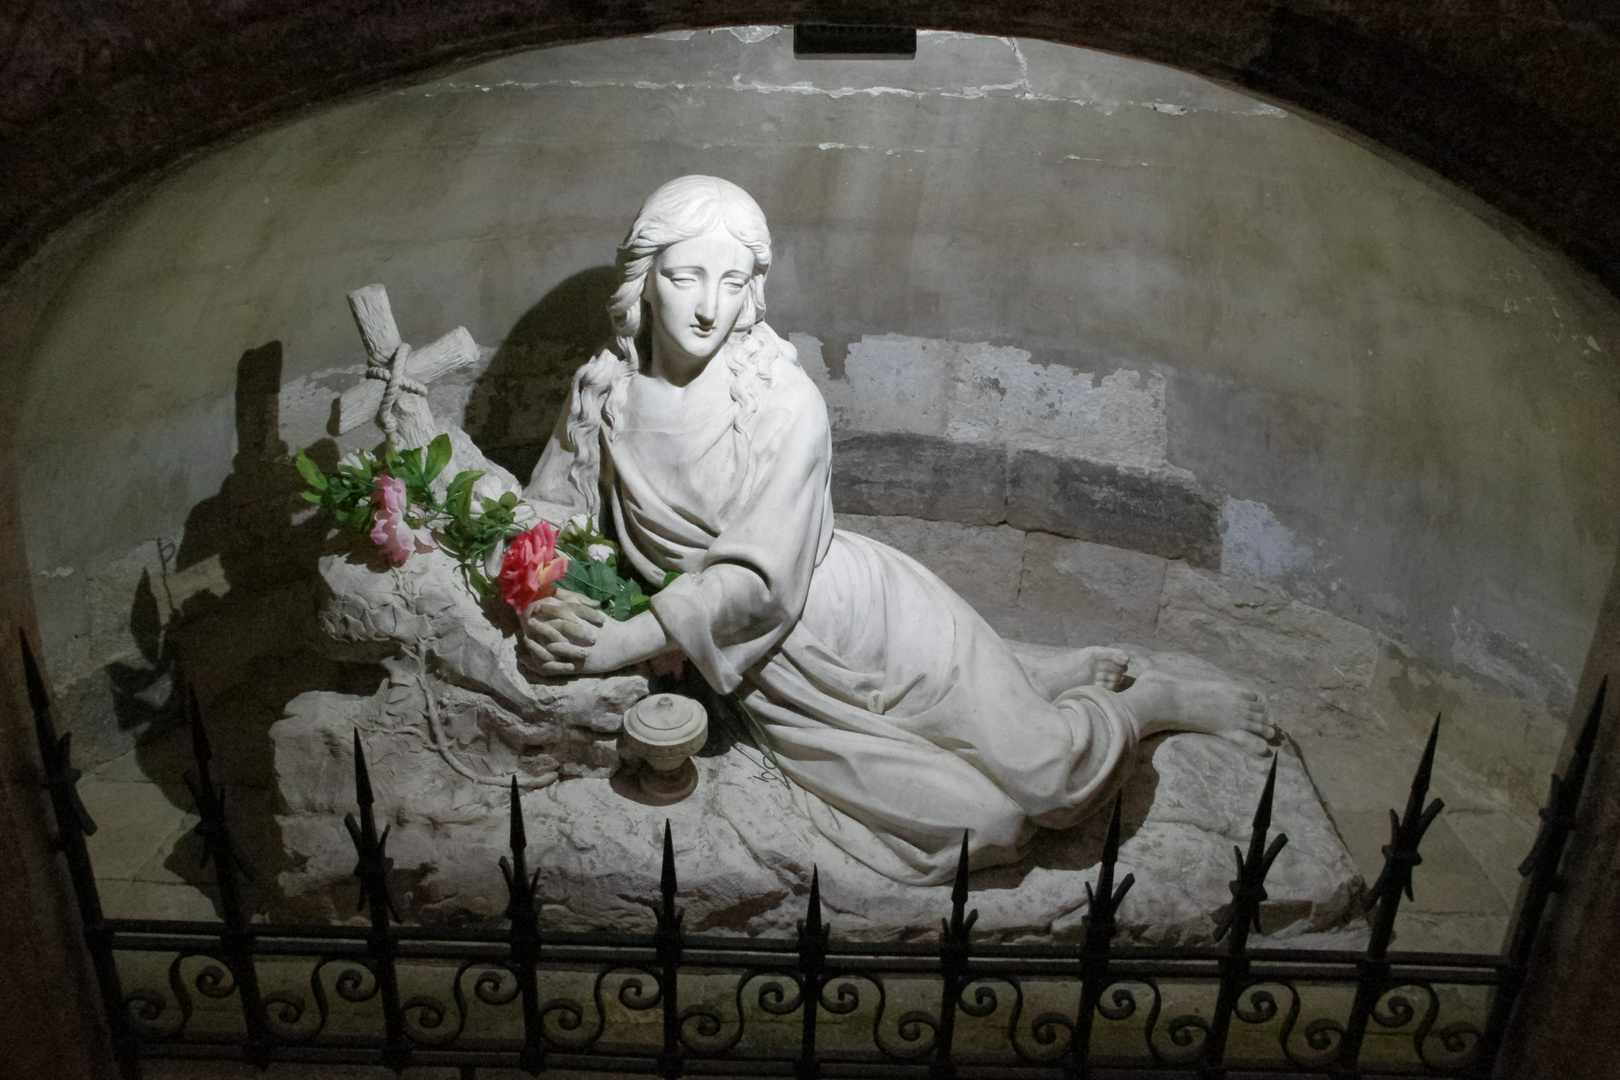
1260 629
454 681
920 476
1109 505
745 853
1107 586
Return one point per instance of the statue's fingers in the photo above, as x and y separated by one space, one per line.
559 668
580 633
554 607
562 650
575 599
546 631
592 614
561 622
538 651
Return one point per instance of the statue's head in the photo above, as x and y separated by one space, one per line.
717 224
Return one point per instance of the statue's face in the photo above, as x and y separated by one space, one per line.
695 292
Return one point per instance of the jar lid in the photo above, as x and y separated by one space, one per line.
665 719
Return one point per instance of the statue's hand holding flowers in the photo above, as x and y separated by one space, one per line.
558 626
580 630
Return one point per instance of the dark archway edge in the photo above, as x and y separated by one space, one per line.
1516 101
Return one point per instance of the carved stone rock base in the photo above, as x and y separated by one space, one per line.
744 851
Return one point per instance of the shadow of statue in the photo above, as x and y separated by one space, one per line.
516 400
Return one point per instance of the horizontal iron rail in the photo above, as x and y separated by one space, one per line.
148 935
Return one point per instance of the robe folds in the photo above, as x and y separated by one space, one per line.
902 718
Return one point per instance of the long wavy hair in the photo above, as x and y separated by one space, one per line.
683 209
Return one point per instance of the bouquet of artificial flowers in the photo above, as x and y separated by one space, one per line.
390 497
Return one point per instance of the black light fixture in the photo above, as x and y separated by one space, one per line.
862 41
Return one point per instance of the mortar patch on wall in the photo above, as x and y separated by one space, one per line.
1256 546
1511 663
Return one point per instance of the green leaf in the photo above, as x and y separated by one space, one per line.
311 497
669 577
438 456
391 458
509 500
310 471
458 496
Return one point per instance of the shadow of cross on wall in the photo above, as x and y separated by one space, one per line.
255 567
227 613
181 593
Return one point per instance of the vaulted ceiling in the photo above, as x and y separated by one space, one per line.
1515 100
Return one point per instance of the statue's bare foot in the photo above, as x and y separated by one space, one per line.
1093 666
1163 702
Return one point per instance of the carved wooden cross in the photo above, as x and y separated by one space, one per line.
395 388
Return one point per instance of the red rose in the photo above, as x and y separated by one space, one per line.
530 566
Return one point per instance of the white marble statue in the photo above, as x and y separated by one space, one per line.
900 715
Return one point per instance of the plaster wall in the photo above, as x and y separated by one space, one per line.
1374 398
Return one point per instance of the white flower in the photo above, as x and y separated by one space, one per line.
601 552
487 487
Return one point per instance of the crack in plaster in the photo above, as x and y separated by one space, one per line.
1022 89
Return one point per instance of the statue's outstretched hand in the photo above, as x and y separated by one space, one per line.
558 633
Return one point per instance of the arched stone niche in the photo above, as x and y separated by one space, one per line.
1123 354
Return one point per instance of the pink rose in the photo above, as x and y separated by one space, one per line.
531 565
390 531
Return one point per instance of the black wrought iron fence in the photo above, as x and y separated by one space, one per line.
672 1004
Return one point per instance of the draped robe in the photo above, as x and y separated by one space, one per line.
902 718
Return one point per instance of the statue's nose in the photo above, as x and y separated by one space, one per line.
707 305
